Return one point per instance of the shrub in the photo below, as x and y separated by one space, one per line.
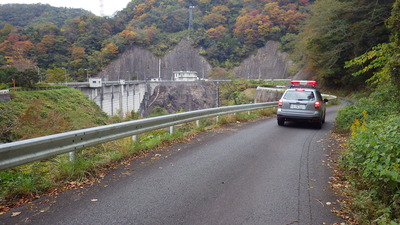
379 105
158 111
347 115
373 159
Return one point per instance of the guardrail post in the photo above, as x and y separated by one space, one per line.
134 138
197 123
217 119
171 130
72 156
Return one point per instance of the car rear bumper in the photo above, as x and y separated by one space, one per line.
314 116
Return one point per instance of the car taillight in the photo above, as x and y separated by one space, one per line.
317 105
280 103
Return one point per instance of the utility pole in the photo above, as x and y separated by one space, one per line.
65 73
159 69
218 103
38 72
87 75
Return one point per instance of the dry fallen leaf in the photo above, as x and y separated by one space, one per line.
15 214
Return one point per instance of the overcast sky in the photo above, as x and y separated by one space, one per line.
110 6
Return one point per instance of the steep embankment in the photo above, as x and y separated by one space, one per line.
268 62
145 65
182 96
32 114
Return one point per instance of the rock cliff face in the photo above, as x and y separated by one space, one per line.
269 62
186 96
145 65
265 95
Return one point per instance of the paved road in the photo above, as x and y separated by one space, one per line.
257 173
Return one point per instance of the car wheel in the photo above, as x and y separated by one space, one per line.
281 122
318 125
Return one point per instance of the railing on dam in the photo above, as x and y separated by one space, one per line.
149 81
25 151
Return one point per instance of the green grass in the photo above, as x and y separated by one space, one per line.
39 113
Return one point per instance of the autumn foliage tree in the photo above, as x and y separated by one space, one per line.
216 33
337 32
252 26
227 32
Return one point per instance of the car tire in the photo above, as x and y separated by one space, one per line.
281 122
319 124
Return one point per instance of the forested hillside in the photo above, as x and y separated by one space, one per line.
338 31
355 44
226 30
321 36
24 15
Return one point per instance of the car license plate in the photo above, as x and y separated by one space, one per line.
297 106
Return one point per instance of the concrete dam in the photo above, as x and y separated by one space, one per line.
118 98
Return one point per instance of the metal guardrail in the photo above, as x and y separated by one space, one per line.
330 97
30 150
283 89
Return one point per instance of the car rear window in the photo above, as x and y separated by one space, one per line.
299 95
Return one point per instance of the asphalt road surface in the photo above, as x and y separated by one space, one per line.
253 173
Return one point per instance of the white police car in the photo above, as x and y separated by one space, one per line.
302 102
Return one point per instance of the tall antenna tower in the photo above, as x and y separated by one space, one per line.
101 7
191 17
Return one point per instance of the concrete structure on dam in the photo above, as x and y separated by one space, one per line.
117 98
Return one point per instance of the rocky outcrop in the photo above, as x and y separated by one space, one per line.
304 74
268 63
145 65
186 96
266 95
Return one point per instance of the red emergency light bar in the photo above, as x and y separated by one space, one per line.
303 82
